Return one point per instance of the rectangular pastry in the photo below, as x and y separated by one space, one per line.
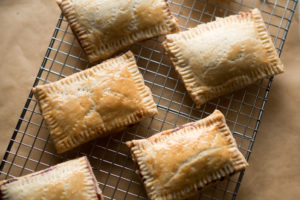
220 57
95 102
73 179
105 26
177 163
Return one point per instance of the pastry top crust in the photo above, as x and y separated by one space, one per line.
176 163
73 179
104 26
222 56
95 102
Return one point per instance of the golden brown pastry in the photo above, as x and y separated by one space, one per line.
95 102
220 57
177 163
73 179
105 26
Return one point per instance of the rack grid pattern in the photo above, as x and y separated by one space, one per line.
30 148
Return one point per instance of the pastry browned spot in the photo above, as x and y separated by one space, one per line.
104 26
93 103
220 57
73 179
176 163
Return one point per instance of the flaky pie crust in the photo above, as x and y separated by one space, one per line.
220 57
175 164
95 102
103 27
73 179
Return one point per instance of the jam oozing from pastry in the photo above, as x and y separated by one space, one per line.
9 181
98 192
44 171
183 126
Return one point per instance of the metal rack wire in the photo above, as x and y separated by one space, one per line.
31 150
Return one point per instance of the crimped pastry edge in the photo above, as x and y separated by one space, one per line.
95 53
82 164
149 107
202 94
238 162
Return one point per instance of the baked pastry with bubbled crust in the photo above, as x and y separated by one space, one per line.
177 163
95 102
104 27
73 179
222 56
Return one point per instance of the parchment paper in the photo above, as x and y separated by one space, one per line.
274 172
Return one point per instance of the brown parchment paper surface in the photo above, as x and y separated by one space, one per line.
26 27
274 172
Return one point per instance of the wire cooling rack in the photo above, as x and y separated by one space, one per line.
31 150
